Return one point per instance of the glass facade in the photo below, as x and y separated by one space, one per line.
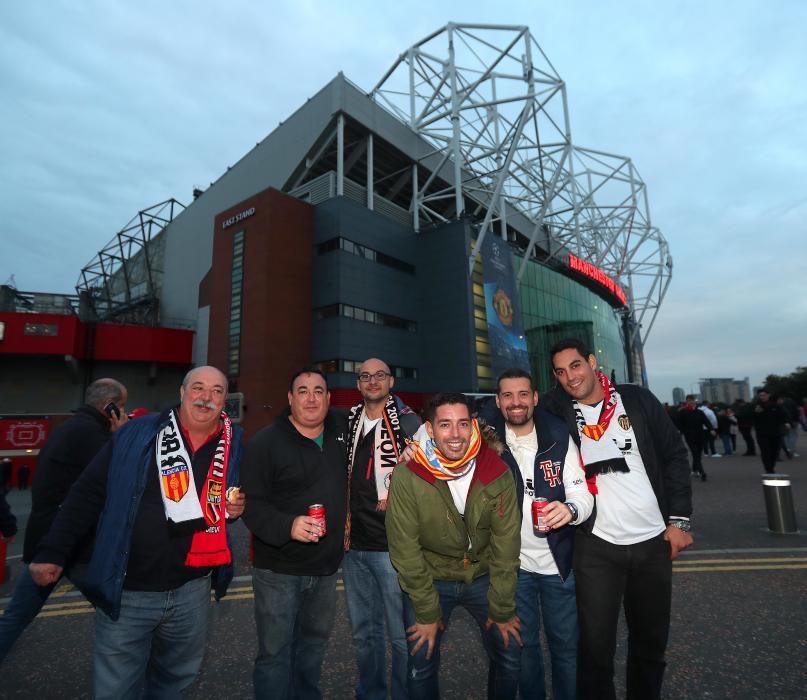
555 307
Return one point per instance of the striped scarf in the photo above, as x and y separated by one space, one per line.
596 431
442 468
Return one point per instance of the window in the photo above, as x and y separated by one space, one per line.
236 285
364 252
40 329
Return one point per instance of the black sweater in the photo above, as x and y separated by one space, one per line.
69 449
282 473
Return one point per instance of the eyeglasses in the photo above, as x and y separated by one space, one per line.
379 376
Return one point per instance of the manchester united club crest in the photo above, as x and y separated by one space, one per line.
624 422
175 481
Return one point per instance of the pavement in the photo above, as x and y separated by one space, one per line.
738 629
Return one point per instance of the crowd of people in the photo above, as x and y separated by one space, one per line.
535 520
774 421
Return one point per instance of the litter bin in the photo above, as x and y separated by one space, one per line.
779 503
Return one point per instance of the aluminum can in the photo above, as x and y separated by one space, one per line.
539 525
317 511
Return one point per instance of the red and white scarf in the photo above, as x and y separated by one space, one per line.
207 515
599 456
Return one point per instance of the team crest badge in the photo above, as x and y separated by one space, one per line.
175 482
624 422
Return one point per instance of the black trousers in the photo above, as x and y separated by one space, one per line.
750 448
769 450
637 577
695 445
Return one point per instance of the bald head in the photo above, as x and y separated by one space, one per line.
207 370
375 381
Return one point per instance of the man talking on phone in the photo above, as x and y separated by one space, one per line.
67 451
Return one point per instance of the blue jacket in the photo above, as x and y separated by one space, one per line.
132 455
553 443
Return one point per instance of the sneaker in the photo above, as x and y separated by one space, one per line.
715 455
703 476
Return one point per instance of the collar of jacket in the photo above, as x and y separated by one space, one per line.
489 467
330 425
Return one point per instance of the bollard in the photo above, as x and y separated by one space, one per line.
779 503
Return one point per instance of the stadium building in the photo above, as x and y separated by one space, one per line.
444 221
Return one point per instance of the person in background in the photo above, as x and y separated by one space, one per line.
62 459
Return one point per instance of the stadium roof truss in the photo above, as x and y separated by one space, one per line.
122 283
493 107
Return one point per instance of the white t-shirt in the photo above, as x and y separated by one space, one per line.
536 556
368 425
627 509
459 489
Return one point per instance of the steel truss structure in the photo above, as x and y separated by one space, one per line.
123 282
494 108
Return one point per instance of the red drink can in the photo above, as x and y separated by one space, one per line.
317 511
539 525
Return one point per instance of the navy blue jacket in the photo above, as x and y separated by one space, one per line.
127 462
553 443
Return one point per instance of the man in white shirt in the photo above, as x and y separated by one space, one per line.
545 463
637 467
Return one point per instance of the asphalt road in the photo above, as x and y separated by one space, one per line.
739 622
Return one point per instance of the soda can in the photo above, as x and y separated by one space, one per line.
317 511
539 525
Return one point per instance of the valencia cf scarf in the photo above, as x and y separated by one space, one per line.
599 456
390 441
439 466
205 516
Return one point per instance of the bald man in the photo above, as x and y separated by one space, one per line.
158 497
65 455
378 427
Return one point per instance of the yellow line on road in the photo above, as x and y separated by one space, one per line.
769 560
764 567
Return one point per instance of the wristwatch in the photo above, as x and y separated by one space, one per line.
684 525
573 510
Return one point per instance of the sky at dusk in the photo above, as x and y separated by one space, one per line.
110 107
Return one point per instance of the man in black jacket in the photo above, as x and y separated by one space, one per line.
296 462
693 425
637 467
770 422
68 450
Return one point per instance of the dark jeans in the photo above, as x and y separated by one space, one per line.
422 677
294 616
769 450
638 577
695 445
750 448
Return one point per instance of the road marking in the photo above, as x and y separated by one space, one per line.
766 567
769 560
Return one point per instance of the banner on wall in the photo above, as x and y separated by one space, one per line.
508 343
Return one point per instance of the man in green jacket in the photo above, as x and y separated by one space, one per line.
453 528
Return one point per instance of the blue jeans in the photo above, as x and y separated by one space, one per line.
548 598
26 602
294 616
157 644
422 677
373 597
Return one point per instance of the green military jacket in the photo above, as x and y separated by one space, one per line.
429 540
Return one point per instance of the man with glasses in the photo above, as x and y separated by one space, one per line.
378 427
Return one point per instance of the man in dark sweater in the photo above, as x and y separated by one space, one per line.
289 466
68 450
377 431
770 422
